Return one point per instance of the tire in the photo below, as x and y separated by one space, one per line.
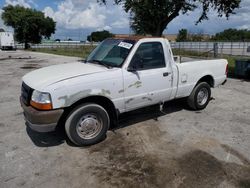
200 96
87 124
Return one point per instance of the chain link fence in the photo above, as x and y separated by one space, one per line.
58 45
213 49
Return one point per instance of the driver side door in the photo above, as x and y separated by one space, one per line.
148 79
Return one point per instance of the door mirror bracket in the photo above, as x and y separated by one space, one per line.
131 69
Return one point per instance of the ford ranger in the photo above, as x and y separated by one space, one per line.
120 75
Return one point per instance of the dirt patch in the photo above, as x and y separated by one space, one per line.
30 66
200 169
119 162
10 57
124 166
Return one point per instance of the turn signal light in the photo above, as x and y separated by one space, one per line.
40 106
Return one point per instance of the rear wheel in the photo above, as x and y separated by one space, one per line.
200 96
87 124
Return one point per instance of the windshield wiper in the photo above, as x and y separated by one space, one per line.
100 63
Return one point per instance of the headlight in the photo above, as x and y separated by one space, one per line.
41 101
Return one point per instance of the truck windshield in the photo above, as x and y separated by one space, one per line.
111 52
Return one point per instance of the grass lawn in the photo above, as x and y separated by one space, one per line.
82 51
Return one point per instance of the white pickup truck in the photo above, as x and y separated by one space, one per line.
120 75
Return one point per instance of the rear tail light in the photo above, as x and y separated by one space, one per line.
226 70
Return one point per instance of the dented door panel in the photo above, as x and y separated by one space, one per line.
143 88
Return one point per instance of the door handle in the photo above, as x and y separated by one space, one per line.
165 74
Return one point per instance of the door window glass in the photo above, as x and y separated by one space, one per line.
149 55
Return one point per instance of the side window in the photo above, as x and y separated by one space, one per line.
149 55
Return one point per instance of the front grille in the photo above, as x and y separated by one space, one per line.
26 93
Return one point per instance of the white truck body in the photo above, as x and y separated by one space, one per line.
118 76
7 40
68 83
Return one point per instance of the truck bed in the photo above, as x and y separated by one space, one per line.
192 70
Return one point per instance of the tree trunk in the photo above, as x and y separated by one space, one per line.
164 23
159 31
26 45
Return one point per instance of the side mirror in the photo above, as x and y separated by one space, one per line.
131 69
135 64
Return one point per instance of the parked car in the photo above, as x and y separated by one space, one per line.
120 75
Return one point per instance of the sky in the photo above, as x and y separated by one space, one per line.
78 18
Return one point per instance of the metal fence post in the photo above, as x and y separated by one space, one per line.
216 50
244 48
179 48
231 53
221 50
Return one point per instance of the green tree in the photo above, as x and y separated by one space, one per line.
153 16
30 25
232 35
98 36
196 38
182 35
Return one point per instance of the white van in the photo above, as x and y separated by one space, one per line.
7 41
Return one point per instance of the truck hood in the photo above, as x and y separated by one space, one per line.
43 77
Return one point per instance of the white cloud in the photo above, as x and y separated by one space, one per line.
77 14
215 24
121 23
31 2
1 23
69 16
107 27
48 11
23 3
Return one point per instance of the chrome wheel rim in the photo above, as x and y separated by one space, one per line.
202 96
89 126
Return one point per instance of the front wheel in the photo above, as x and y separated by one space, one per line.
87 124
200 96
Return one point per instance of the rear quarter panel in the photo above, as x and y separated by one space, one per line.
191 72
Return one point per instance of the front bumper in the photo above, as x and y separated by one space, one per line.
41 121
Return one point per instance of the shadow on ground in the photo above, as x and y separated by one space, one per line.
151 112
46 139
127 119
241 78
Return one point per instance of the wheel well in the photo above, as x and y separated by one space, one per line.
209 79
106 103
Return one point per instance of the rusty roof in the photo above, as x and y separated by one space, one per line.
134 37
